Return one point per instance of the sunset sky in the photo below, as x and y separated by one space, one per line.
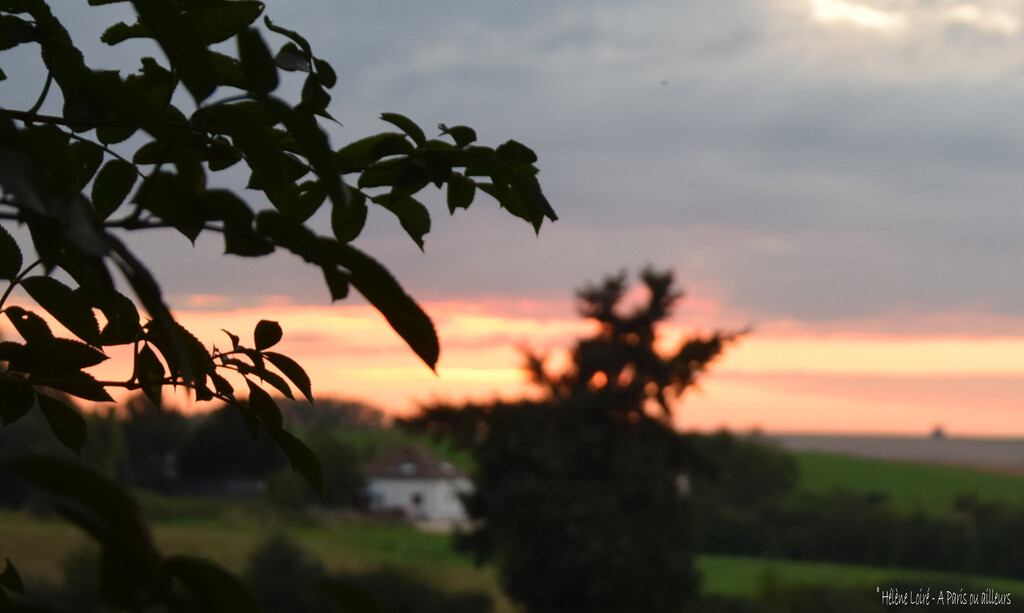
845 178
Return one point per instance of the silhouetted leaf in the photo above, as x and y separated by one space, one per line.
462 135
87 157
257 63
79 384
222 385
405 316
294 36
16 398
264 406
218 21
10 255
128 560
337 282
122 325
266 334
413 216
177 36
63 354
361 153
292 59
112 186
67 424
325 74
295 373
274 380
210 587
14 31
513 151
234 339
347 222
406 125
120 32
11 580
30 326
300 457
316 148
72 309
461 191
149 372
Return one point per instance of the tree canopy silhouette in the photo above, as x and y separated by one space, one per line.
581 497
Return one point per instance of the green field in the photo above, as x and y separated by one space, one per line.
228 531
347 543
909 487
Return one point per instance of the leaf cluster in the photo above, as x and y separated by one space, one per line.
128 153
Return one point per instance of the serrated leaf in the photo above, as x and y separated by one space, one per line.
337 282
514 151
120 32
294 36
72 309
112 186
302 459
87 157
149 372
347 222
406 125
264 406
266 334
228 70
234 339
10 255
79 384
252 134
177 35
406 317
30 326
122 318
257 63
290 234
295 373
63 354
10 579
222 385
292 59
462 135
111 135
461 191
316 148
325 73
216 22
274 380
67 424
185 355
16 398
361 153
411 213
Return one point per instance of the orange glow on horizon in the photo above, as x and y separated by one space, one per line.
783 380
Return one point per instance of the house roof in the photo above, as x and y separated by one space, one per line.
411 462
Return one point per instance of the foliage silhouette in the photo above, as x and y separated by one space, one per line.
149 151
579 497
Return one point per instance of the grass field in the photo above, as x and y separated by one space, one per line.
910 487
346 543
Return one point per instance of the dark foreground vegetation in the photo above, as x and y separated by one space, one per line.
294 552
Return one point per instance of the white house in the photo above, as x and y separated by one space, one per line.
415 482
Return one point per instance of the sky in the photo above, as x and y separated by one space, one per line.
843 178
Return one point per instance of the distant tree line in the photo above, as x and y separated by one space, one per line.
750 507
141 446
